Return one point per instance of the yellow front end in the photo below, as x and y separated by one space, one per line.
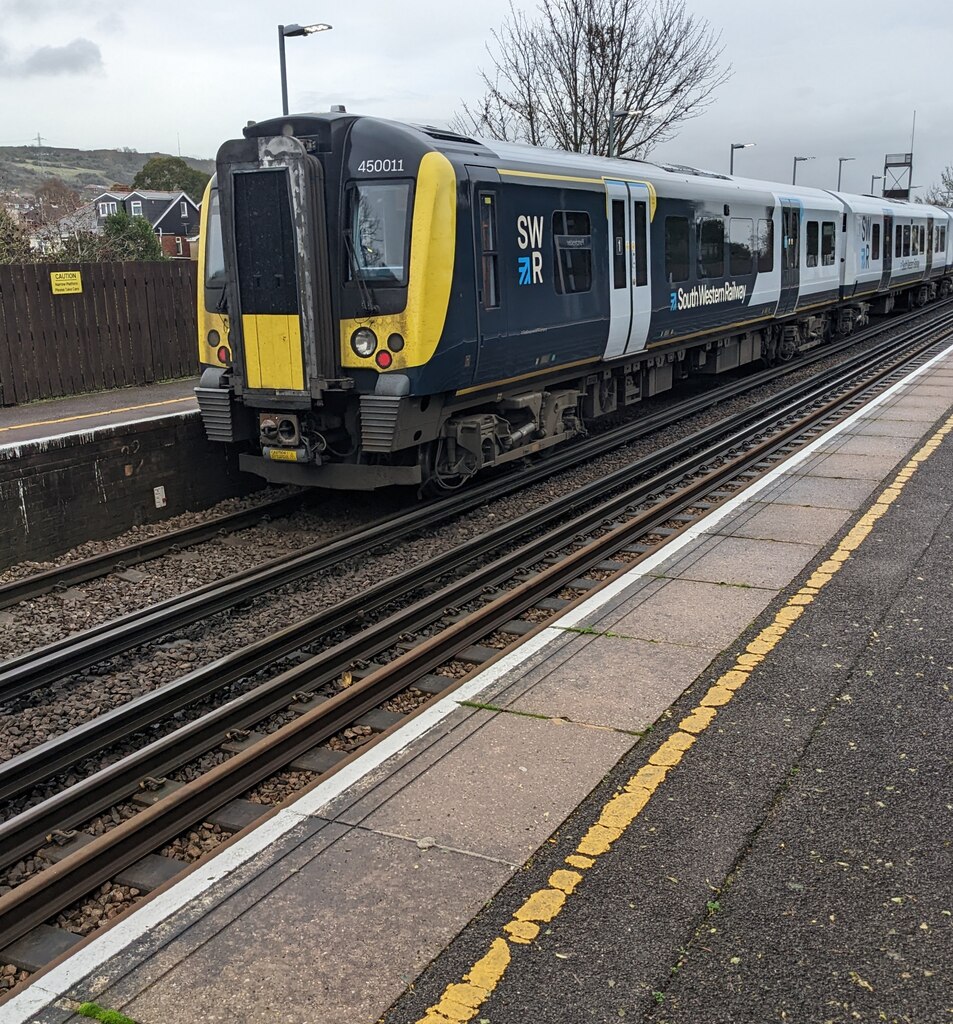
214 348
432 242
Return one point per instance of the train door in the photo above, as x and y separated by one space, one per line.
630 294
929 247
790 255
620 281
887 252
491 310
641 285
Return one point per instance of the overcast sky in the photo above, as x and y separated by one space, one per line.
822 78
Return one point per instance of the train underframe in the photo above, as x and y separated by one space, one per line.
363 442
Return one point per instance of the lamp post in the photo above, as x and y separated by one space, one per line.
873 178
734 146
292 30
618 115
798 160
841 160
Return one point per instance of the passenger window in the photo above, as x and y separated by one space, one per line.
711 247
572 252
906 240
765 246
898 248
488 244
813 243
875 244
676 249
740 257
827 243
923 238
915 241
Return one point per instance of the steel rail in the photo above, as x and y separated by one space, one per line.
91 795
71 654
21 772
86 569
50 891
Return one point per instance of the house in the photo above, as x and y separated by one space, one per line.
173 215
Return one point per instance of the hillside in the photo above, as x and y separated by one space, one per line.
23 168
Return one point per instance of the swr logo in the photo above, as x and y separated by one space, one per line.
529 235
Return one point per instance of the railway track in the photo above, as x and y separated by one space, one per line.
70 574
72 654
83 570
464 608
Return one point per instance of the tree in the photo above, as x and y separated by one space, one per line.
558 76
128 238
55 199
172 174
942 194
14 244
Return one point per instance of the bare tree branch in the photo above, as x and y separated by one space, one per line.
557 78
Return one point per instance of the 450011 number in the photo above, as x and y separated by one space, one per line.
379 166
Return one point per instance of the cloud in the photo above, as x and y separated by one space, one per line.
78 57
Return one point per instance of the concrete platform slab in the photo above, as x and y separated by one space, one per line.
849 467
391 906
870 444
717 614
501 793
908 410
890 428
741 561
790 523
819 492
610 681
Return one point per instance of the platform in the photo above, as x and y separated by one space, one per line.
717 790
92 466
20 424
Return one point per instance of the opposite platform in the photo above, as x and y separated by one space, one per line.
329 911
20 424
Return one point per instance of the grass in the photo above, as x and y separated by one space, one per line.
97 1012
494 707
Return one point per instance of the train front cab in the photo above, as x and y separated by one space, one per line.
274 243
213 344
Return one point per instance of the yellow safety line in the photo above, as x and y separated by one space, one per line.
461 1002
93 415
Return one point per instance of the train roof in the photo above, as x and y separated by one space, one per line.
555 161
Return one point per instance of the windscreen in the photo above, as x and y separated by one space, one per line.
379 223
214 256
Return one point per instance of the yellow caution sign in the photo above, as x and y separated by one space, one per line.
66 282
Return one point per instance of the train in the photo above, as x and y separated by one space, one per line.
392 304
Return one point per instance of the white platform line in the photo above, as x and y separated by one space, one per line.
89 434
61 979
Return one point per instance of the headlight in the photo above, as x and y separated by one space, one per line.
364 342
213 338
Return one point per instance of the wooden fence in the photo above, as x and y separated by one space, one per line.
132 323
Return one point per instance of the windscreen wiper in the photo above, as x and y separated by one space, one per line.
367 297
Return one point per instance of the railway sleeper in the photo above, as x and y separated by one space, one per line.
233 817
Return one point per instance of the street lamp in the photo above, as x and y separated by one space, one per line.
798 160
873 178
613 117
841 160
734 146
292 30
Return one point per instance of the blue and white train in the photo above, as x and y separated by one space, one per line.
406 304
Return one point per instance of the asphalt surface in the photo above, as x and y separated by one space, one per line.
20 424
797 865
